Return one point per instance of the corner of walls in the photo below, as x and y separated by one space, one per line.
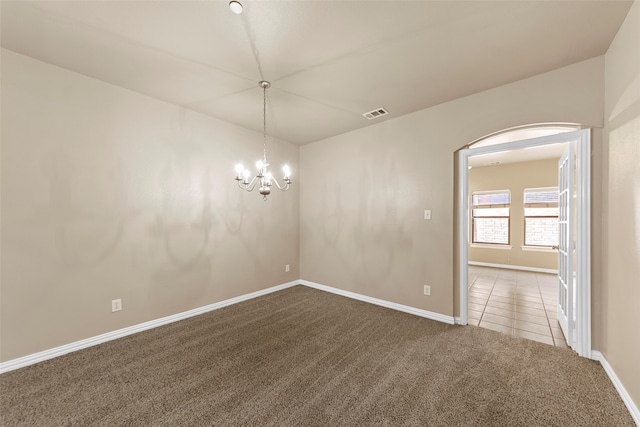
361 226
620 292
108 193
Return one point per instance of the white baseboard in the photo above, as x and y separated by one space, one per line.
109 336
31 359
41 356
405 308
514 267
631 406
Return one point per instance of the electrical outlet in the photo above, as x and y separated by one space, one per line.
427 290
286 268
116 305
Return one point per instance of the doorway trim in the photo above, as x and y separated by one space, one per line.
582 343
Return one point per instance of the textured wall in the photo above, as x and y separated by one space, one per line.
363 193
110 194
620 294
515 177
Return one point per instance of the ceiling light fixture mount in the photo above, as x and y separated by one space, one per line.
235 6
263 176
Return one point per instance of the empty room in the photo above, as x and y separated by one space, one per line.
320 213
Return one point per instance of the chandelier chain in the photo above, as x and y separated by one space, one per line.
264 123
263 178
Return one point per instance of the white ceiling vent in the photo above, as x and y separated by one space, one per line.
374 114
494 163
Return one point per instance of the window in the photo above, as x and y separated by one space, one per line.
490 217
541 217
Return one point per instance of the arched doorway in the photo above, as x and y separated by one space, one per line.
574 258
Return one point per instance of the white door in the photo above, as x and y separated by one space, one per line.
565 244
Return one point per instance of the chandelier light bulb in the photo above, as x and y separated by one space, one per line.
263 177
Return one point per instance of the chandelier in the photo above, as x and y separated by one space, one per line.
263 177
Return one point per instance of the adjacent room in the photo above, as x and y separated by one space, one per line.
513 257
261 213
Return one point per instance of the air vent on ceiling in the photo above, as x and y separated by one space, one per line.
495 163
374 114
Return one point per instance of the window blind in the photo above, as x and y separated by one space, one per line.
491 200
547 197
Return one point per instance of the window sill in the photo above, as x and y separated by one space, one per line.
539 249
488 246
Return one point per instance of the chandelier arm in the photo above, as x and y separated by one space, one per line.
282 187
263 176
248 186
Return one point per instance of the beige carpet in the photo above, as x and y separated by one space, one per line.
302 357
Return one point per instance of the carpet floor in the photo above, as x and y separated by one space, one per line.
303 357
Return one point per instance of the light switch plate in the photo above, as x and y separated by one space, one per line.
427 214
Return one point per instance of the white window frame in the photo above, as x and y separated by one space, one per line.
508 217
524 214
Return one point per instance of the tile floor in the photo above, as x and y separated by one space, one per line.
514 302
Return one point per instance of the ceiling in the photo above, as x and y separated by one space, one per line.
328 61
529 154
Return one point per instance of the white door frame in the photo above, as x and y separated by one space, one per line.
582 344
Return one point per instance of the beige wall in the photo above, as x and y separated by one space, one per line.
620 295
363 193
108 194
515 177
